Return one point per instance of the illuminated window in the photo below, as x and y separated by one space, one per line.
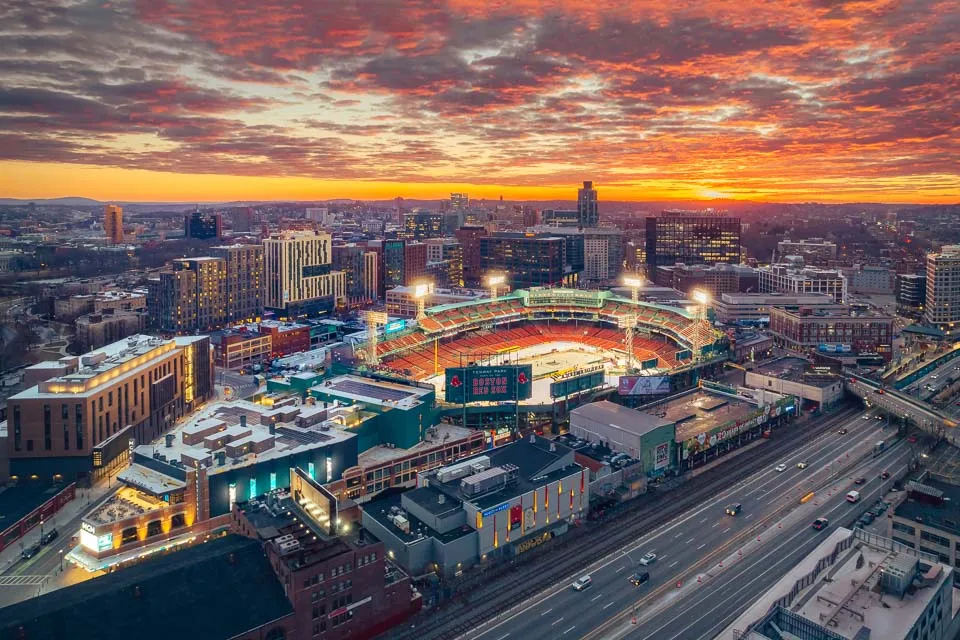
273 480
312 470
479 520
253 488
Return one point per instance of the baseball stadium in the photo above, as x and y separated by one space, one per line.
555 335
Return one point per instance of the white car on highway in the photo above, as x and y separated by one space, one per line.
780 468
582 583
648 559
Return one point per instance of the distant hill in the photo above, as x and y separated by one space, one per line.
52 202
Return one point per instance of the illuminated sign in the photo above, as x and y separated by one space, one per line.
533 543
497 509
489 383
96 543
87 527
396 325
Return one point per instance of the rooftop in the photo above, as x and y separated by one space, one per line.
701 411
180 595
390 501
846 596
217 430
435 435
941 514
373 392
124 357
630 420
836 311
126 503
793 370
281 326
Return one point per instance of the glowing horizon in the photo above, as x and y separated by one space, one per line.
191 101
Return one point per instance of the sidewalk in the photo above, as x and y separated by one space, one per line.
84 501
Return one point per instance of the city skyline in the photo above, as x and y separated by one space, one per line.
792 101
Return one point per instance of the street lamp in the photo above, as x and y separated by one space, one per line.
494 281
61 560
635 284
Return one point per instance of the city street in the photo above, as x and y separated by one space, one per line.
690 546
240 385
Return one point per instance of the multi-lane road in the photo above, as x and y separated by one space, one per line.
686 577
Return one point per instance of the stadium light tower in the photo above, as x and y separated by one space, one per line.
494 282
420 293
702 298
627 323
635 285
374 319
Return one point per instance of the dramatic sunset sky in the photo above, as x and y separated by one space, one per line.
199 100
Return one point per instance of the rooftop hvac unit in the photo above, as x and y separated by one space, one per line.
288 547
282 539
484 482
402 523
463 469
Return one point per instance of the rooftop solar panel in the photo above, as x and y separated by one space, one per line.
370 390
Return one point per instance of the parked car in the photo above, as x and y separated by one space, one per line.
648 559
820 523
582 583
639 578
49 536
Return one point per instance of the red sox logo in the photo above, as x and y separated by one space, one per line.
522 378
455 381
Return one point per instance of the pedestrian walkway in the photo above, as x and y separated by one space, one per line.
21 581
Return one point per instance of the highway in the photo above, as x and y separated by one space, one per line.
691 545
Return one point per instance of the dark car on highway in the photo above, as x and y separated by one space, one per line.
860 481
820 523
639 578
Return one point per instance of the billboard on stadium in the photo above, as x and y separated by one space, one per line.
643 385
500 383
577 383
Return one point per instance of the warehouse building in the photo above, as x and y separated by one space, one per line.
642 436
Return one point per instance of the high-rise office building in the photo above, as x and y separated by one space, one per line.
943 288
360 266
245 280
242 220
445 261
300 281
588 211
691 237
203 227
794 277
469 239
414 262
113 223
189 295
910 290
459 201
420 225
531 261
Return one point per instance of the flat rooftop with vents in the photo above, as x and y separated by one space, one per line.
373 392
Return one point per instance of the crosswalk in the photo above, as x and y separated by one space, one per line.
21 581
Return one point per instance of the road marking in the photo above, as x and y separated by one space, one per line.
690 540
715 525
675 563
503 636
546 612
748 517
701 546
557 621
702 521
621 569
21 580
678 535
608 605
596 597
569 630
727 529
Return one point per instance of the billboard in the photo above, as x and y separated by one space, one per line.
835 348
500 383
575 384
662 457
643 385
394 326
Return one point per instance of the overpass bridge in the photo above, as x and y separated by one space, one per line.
903 406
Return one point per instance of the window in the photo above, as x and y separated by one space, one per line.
47 440
29 445
66 437
64 412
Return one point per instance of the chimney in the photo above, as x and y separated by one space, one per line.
243 419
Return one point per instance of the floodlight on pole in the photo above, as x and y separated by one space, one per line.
374 319
494 282
627 323
635 285
702 298
420 293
